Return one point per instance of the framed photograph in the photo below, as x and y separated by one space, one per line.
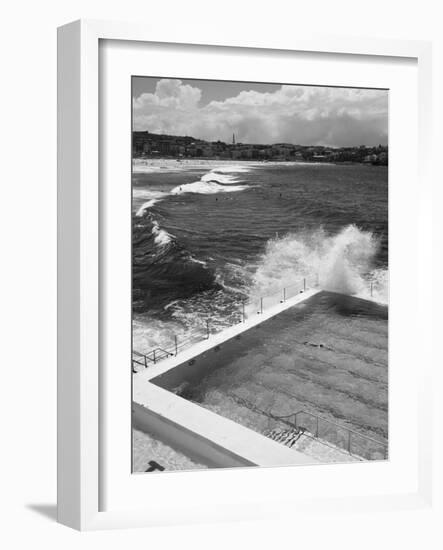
236 219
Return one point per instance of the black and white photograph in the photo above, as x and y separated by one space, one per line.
259 274
223 260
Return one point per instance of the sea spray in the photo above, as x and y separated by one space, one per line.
343 262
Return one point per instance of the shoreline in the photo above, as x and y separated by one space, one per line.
147 165
154 164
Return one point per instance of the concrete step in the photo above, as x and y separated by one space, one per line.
305 442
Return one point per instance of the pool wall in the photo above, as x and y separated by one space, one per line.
204 436
200 365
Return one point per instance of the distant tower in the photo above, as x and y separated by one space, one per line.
233 139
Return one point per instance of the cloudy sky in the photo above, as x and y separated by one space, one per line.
261 113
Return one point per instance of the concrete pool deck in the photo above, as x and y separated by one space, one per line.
320 352
147 448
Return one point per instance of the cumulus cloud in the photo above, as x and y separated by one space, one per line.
295 114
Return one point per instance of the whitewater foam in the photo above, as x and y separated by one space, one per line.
220 178
153 198
161 237
206 188
200 262
140 212
215 181
237 168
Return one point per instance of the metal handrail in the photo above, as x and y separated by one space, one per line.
153 357
318 419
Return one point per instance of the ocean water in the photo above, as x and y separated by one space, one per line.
206 237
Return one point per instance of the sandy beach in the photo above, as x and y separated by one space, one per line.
172 165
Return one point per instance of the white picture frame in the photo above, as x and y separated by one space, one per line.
80 393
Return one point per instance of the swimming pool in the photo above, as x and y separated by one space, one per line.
325 358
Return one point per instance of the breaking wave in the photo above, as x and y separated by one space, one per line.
344 262
163 268
218 180
161 236
215 181
153 198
